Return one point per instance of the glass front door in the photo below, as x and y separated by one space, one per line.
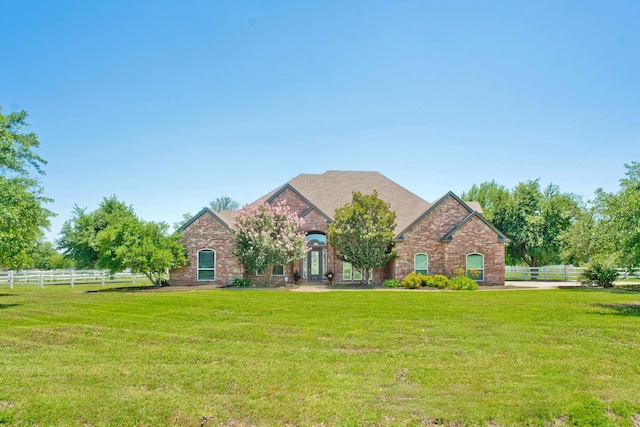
315 263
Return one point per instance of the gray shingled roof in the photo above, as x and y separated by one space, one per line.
333 189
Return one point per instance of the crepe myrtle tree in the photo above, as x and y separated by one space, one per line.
268 235
362 233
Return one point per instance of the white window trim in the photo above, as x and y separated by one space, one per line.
259 273
355 273
414 261
466 260
198 269
344 276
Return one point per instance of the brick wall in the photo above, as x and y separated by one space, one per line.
425 237
474 237
207 232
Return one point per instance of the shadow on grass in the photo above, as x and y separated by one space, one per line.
8 305
622 309
124 289
7 295
617 290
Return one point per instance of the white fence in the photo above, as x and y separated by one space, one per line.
66 277
559 273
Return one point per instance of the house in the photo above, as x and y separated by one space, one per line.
442 237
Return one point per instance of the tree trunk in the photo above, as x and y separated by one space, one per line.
267 272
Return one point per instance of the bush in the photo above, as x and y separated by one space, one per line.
462 283
440 281
412 281
391 283
238 281
429 281
600 275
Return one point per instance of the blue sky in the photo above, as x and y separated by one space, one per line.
169 105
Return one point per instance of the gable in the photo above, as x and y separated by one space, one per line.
441 217
196 217
477 221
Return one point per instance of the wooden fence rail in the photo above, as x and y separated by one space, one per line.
559 273
66 277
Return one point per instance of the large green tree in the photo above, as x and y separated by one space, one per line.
143 247
533 218
614 224
23 215
79 235
362 232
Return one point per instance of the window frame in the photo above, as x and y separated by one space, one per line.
260 273
199 269
415 269
355 274
467 270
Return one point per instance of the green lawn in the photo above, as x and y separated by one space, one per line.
260 357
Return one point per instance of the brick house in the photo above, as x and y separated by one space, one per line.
432 238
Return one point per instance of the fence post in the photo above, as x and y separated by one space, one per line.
524 273
11 279
566 273
103 277
133 278
72 278
41 279
544 272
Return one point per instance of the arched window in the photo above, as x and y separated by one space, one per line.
475 267
421 263
316 239
206 265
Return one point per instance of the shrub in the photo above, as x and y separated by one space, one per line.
429 281
412 281
440 281
238 281
391 283
462 283
597 274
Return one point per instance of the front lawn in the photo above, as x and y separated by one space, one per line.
257 357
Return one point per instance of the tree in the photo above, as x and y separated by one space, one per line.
224 203
266 236
79 235
16 147
362 232
22 211
22 217
46 257
617 221
532 218
143 247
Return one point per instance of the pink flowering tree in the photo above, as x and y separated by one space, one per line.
268 235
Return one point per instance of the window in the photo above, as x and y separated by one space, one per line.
305 266
316 239
278 270
421 264
346 271
475 267
350 273
206 265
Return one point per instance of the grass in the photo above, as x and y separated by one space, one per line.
258 357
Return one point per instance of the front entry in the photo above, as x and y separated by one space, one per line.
316 264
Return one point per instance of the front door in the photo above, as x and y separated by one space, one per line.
315 262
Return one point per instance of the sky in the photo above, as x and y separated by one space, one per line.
168 105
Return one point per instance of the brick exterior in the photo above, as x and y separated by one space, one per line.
444 257
207 232
424 236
